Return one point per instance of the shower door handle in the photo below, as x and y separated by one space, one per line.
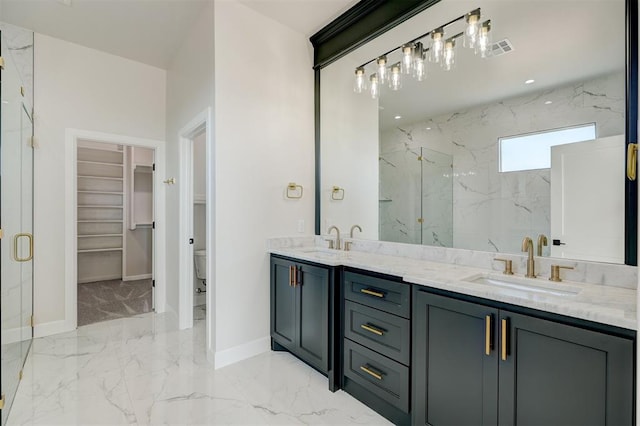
190 240
16 237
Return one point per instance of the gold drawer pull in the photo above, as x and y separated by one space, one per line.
487 335
504 339
372 329
372 293
371 372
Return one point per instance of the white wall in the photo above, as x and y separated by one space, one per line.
264 139
349 155
189 92
82 88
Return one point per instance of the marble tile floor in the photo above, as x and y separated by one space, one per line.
107 300
142 370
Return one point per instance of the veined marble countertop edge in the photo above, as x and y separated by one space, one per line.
597 303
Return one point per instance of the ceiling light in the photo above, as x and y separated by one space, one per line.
360 83
530 81
548 102
428 128
398 117
419 65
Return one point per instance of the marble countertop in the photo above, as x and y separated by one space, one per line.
604 304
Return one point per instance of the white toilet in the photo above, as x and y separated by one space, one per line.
200 259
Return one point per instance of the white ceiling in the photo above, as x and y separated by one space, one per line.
150 31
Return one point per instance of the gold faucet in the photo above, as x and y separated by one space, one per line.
542 241
527 245
353 228
337 237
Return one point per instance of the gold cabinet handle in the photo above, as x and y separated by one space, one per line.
290 275
16 237
632 154
372 329
487 335
370 372
371 292
504 339
295 275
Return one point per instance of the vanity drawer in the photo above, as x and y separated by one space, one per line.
386 295
377 330
381 376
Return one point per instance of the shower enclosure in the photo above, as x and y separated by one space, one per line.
416 197
16 208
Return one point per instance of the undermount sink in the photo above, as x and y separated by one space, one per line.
540 286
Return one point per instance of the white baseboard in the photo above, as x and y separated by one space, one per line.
99 278
50 328
242 352
137 277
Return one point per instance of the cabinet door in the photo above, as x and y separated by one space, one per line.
455 381
557 374
283 303
312 312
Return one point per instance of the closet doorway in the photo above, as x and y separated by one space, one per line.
115 231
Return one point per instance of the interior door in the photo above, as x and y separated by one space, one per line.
573 182
16 222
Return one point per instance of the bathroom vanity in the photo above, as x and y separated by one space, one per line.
424 342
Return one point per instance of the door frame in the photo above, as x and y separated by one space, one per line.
201 122
71 213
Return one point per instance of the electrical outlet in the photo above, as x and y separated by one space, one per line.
301 226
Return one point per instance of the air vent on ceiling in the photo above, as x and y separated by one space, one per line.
501 47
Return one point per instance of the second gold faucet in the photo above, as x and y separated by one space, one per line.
527 246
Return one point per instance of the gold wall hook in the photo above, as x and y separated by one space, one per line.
337 193
294 191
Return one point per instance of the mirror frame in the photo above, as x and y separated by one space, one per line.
370 18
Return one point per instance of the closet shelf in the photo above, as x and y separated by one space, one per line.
100 177
100 163
100 192
100 221
99 235
100 250
94 206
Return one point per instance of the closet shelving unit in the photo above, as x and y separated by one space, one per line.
100 213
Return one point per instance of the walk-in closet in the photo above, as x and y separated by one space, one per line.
115 231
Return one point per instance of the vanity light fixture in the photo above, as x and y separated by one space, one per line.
395 79
419 65
360 84
407 58
483 45
449 55
414 55
472 32
383 74
374 86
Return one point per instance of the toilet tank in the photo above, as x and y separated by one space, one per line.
200 260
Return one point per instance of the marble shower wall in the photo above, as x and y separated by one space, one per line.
493 211
20 47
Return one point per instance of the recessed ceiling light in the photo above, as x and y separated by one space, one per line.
548 102
529 81
428 128
398 117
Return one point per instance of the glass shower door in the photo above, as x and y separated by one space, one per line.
16 222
